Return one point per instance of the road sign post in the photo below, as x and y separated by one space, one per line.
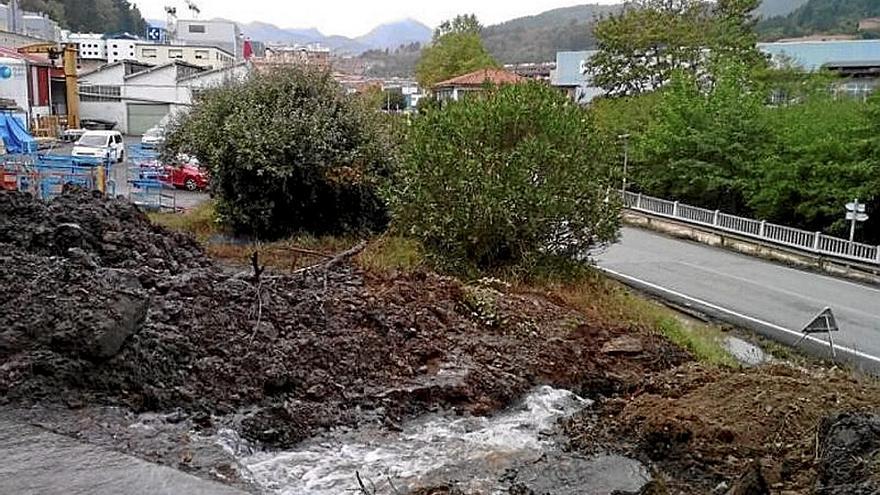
855 212
824 322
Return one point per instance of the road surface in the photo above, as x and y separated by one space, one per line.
744 289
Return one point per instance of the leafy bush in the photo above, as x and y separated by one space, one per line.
288 151
499 180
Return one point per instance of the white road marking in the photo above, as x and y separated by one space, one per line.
730 312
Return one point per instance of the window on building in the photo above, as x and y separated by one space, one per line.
100 93
197 28
175 53
150 53
202 55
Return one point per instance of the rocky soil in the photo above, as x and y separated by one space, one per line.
101 308
774 429
106 320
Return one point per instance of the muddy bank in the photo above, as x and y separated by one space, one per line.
774 429
101 308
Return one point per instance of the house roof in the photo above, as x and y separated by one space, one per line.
115 64
229 68
481 77
813 55
175 63
29 58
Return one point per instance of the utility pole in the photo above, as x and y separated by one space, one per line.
625 138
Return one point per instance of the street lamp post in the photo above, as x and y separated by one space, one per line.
625 138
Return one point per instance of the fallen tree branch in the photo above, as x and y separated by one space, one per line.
310 252
339 258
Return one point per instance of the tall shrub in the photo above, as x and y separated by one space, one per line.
500 179
288 151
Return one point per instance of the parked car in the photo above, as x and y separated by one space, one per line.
100 144
187 174
153 138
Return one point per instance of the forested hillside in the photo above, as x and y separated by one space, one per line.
776 8
97 16
820 16
537 38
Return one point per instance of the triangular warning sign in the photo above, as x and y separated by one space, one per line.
824 322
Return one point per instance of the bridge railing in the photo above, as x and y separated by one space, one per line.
812 242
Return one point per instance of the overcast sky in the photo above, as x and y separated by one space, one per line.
355 17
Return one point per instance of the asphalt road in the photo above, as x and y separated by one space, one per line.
37 462
746 289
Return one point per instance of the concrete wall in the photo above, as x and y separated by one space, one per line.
15 40
121 50
16 87
754 247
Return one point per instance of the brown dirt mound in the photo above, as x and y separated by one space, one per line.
129 314
703 426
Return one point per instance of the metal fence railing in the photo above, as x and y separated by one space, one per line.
813 242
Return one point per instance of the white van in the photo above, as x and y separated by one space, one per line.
100 144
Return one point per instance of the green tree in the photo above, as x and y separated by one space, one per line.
640 48
733 35
816 165
393 100
456 49
499 181
705 138
288 151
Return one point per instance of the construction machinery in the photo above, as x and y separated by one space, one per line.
68 53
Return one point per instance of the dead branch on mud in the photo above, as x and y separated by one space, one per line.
339 258
258 271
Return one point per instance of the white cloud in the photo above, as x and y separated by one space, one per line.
353 18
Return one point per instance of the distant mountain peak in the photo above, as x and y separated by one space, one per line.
396 33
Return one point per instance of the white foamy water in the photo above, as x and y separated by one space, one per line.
475 451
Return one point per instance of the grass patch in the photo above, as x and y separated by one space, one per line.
390 253
609 302
384 254
200 221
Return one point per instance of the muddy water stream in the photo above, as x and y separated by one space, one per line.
477 455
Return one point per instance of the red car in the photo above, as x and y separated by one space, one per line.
186 176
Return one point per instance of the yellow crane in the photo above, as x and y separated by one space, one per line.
67 53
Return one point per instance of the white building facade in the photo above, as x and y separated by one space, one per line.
137 96
208 57
224 35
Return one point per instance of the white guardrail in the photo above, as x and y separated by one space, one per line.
812 242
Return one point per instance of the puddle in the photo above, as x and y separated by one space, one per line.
477 454
745 352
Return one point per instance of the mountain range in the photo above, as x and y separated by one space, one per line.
389 35
524 39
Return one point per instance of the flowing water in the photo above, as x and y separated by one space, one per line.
477 454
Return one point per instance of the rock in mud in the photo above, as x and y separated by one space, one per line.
850 455
624 345
126 310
